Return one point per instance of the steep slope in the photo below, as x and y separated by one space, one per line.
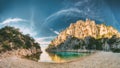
14 42
82 34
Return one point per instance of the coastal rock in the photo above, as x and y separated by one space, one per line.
85 35
13 42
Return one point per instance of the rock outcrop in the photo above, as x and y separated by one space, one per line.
81 34
13 42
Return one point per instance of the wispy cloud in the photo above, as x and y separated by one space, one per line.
56 32
45 40
79 9
69 11
25 28
12 20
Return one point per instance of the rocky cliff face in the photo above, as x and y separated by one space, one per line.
13 42
80 33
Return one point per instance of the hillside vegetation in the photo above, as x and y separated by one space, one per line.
12 39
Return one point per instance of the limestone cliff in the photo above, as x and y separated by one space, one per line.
82 30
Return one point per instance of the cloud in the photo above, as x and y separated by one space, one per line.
56 32
45 40
81 8
12 20
25 28
70 11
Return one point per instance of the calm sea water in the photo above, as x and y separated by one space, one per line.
59 57
56 57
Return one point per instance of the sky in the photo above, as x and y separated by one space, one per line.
44 19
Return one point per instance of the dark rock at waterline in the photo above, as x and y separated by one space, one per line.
89 43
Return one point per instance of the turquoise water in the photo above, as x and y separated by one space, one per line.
59 57
56 57
70 55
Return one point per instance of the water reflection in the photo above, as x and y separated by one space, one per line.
55 58
44 57
58 57
65 56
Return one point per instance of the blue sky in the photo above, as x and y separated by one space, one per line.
46 18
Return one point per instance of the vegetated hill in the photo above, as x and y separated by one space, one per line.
11 39
86 35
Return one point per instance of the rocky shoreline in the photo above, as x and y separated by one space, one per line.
87 35
19 52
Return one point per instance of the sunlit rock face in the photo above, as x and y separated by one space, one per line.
82 29
84 33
